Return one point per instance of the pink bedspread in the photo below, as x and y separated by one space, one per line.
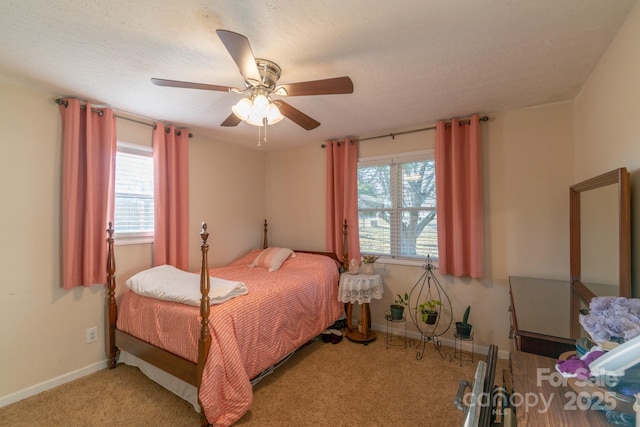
281 312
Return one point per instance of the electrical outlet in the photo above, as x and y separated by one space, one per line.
92 334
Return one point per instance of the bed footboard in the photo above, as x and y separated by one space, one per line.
168 362
204 342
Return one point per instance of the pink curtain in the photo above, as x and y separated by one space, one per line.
342 196
171 196
458 155
88 188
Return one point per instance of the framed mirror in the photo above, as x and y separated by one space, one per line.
600 241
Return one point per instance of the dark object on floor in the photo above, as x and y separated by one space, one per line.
333 336
339 324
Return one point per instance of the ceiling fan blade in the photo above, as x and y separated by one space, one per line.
337 85
240 50
189 85
297 116
232 120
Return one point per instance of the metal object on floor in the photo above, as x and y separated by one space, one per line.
461 354
428 289
390 339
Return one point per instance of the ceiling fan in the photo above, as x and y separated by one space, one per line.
260 82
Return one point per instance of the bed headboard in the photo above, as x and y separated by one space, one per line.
265 242
345 248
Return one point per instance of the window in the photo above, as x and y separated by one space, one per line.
134 193
397 206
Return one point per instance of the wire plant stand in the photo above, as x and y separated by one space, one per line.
428 288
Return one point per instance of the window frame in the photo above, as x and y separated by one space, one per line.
399 159
133 238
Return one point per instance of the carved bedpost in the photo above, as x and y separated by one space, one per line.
205 334
265 242
112 350
345 247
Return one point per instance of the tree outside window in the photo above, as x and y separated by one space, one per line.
397 207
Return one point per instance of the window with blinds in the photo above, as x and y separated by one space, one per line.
397 206
134 193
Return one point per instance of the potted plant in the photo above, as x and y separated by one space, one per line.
464 328
429 310
368 261
397 309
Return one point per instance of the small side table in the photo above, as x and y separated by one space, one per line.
390 324
458 352
360 288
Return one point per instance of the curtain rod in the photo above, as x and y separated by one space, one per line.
393 135
61 101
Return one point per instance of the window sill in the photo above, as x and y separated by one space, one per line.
405 261
132 240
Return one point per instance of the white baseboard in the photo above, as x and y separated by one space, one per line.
54 382
466 346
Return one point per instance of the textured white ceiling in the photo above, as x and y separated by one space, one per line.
412 62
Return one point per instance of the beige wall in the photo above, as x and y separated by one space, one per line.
607 109
528 169
42 327
528 165
227 191
295 197
607 112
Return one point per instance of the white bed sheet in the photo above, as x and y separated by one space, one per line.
175 385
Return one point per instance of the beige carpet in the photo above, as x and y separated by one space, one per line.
345 384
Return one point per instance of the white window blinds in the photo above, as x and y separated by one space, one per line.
397 206
134 191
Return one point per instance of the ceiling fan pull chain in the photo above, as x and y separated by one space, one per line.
264 120
259 144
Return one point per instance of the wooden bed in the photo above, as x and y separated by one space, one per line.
191 369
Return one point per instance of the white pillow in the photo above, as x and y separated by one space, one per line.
272 258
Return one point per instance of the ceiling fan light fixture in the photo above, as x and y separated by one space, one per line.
261 105
274 115
254 119
242 109
255 110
